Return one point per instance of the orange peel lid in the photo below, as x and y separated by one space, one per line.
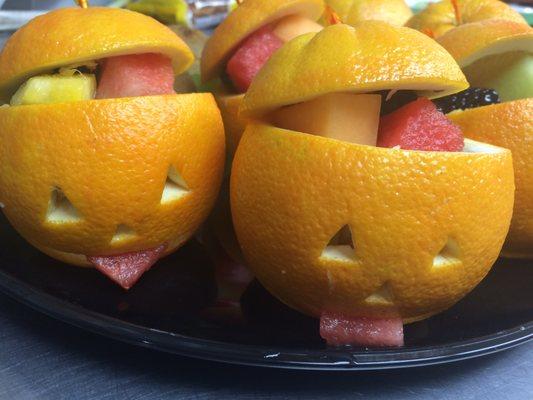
470 42
368 57
395 12
243 21
444 15
75 35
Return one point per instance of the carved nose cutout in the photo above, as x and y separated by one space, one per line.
341 246
449 254
175 186
60 209
123 233
382 296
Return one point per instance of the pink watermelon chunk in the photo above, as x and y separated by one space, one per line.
126 269
419 126
232 279
340 330
135 75
252 54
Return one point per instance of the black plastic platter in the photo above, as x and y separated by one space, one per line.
166 311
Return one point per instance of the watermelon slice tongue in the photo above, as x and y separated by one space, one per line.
135 75
126 269
340 330
232 280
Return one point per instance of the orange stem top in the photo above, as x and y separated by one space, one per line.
331 16
429 32
82 3
457 11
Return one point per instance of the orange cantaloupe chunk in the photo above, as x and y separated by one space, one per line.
295 25
343 116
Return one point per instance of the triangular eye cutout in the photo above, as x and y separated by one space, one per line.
342 238
382 296
341 246
60 209
175 186
450 254
123 233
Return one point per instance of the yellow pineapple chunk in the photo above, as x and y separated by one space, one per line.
47 89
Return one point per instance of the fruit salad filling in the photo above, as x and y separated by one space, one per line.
255 50
359 118
114 77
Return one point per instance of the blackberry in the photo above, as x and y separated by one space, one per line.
469 98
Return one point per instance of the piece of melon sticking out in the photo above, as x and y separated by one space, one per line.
135 75
248 60
419 126
343 116
340 330
293 26
232 279
257 49
126 269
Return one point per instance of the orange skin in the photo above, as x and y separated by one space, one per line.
509 125
292 192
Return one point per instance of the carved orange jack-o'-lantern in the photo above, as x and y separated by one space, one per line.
86 180
332 226
232 36
248 18
498 54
